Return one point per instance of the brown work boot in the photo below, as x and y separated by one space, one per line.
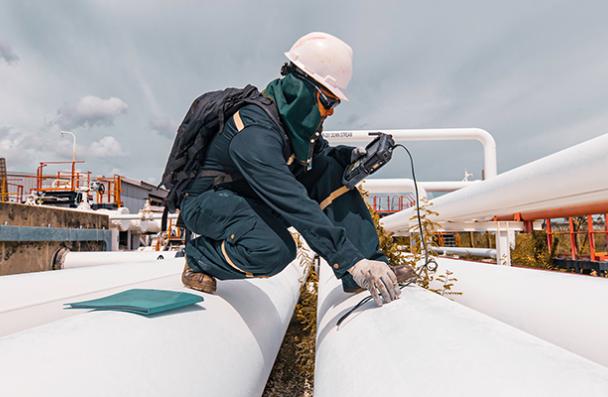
199 281
404 273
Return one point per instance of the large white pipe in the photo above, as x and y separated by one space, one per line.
224 346
94 258
31 299
572 180
558 307
427 345
435 134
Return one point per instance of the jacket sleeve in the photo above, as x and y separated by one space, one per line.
342 153
258 154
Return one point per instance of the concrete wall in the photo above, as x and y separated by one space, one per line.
33 256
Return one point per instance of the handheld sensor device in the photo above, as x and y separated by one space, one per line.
378 153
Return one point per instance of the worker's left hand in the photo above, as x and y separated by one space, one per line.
357 153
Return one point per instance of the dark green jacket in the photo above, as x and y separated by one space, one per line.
256 155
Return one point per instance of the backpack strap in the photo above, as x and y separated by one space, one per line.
238 122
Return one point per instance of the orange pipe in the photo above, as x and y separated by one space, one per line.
572 238
591 237
549 234
560 212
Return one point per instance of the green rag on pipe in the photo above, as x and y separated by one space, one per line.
297 105
141 301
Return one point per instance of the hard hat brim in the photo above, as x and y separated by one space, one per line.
333 89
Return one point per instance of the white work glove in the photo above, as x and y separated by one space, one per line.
378 278
356 153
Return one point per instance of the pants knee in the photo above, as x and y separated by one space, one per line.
273 258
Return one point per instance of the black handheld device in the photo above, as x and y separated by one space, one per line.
378 152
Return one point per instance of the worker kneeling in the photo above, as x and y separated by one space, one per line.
269 168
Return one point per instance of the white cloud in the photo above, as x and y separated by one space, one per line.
7 53
514 68
164 126
108 146
24 149
89 111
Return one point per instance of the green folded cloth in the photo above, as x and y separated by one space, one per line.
141 301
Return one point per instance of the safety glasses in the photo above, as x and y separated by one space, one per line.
327 101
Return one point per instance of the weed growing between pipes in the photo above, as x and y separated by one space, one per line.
293 370
396 248
531 250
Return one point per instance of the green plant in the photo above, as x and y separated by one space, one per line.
293 370
531 250
396 248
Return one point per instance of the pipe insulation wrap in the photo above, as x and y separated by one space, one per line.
573 177
81 259
426 345
551 305
224 346
31 299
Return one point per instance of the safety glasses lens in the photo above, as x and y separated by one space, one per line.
327 101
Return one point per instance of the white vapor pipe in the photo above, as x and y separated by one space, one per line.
406 185
426 345
223 346
479 252
571 180
435 134
93 258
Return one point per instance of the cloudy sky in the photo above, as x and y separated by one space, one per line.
121 74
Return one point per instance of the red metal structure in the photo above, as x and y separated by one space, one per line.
572 234
385 205
112 190
74 178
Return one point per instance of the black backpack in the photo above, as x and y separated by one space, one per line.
204 120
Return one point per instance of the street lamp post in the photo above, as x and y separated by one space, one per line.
73 155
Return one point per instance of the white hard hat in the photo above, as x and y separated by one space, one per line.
326 59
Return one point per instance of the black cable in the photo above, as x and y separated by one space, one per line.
427 261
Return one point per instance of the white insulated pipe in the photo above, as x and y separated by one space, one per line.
401 185
480 252
564 309
427 345
140 216
446 186
31 299
406 185
224 346
434 134
569 180
94 258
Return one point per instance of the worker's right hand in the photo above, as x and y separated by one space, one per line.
357 153
378 278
